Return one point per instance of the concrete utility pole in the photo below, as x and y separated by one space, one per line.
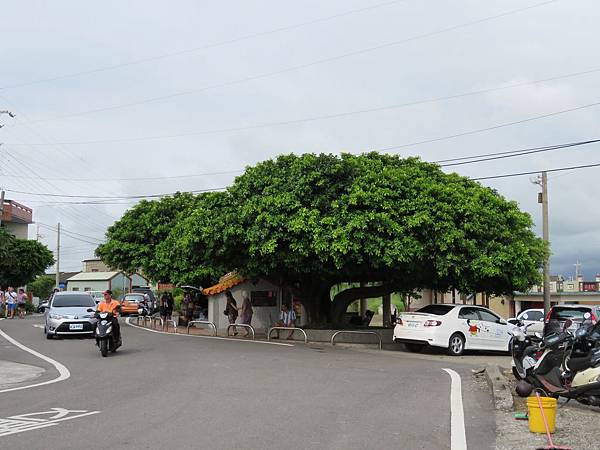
58 256
1 205
543 199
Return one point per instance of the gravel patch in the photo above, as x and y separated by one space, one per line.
577 426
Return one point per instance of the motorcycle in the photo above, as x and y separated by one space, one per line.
568 366
105 338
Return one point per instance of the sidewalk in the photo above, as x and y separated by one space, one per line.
12 373
576 425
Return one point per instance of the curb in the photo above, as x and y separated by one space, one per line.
503 399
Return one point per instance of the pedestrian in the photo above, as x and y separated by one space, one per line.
231 311
246 312
11 302
287 319
164 306
2 303
21 299
170 306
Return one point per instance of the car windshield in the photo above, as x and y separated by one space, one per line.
563 314
438 310
73 301
533 315
134 298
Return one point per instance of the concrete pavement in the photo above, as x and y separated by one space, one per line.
167 390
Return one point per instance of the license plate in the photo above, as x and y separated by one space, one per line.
76 326
413 324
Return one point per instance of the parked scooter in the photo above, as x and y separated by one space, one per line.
105 336
569 365
143 308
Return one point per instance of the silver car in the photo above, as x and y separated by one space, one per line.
69 314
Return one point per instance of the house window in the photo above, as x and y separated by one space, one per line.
75 289
87 289
263 298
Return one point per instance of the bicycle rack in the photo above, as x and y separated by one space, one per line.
166 322
356 332
205 322
243 325
158 319
287 328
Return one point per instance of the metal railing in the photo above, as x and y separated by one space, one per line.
205 322
158 319
243 325
147 319
167 321
292 329
356 332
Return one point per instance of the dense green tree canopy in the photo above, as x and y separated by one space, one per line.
312 221
131 242
21 260
41 287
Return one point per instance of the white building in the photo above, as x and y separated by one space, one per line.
266 301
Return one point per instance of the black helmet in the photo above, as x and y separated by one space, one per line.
524 389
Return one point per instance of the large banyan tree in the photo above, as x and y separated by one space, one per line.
310 222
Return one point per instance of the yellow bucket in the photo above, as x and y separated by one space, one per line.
536 422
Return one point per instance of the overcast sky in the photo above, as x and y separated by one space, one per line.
108 93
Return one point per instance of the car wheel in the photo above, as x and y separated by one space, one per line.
49 336
415 348
456 345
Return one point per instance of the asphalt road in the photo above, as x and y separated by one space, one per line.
179 392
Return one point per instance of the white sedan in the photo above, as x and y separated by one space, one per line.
455 327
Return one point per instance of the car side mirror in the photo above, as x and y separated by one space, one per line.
525 316
541 319
501 321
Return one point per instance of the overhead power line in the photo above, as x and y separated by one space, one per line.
305 65
323 116
447 163
203 47
520 174
515 153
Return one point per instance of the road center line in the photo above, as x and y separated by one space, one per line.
63 372
283 344
458 437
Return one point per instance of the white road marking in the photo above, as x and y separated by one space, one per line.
63 372
38 325
458 436
27 422
283 344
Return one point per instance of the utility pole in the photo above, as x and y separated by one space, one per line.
543 199
1 205
58 256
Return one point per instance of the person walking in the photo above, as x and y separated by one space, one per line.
21 299
231 311
2 305
11 302
246 312
171 306
164 306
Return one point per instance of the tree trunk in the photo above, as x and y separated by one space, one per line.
342 300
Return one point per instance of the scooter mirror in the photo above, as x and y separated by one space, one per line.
567 324
587 316
89 310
